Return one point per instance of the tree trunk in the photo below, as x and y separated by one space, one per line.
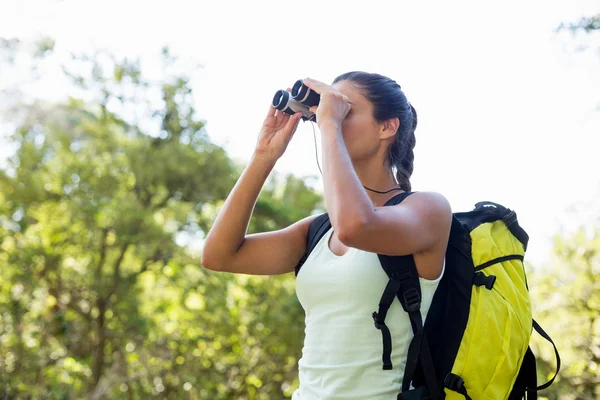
98 356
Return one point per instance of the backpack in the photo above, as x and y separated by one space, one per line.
475 340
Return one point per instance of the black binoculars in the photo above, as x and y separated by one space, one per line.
299 100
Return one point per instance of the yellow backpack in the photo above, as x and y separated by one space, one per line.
475 342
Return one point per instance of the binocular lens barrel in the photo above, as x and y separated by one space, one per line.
301 99
284 102
304 94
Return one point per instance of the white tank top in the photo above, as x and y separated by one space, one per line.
341 357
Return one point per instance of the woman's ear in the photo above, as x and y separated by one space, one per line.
389 128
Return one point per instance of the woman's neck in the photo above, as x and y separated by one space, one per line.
377 178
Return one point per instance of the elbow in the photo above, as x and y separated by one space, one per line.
208 261
350 231
216 258
208 264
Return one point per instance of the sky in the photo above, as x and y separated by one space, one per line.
509 109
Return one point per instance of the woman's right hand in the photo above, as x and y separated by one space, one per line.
276 132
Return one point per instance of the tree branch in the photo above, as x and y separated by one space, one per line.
164 202
157 256
98 356
103 247
117 269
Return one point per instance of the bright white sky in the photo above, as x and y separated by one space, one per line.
508 109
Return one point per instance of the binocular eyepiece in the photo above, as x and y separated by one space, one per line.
299 100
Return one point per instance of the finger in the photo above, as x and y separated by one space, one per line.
294 117
292 124
312 85
297 122
272 111
313 109
283 115
314 81
282 120
317 86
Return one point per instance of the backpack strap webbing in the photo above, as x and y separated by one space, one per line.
318 227
543 333
526 384
404 284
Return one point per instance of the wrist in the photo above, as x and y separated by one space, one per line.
330 127
263 160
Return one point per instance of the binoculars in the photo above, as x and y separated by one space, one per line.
299 100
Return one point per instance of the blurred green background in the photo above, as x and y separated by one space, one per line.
102 292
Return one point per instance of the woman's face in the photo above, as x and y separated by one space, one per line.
361 132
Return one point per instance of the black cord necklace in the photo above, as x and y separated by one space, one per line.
318 165
376 191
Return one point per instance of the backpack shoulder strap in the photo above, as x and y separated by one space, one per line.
397 199
404 284
318 227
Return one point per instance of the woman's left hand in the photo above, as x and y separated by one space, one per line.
333 106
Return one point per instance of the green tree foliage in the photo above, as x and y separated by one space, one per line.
567 300
99 298
586 24
585 31
566 296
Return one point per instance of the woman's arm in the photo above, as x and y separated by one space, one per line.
228 249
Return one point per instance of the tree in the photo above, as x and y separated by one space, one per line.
98 294
567 296
586 24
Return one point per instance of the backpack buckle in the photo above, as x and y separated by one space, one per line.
454 382
481 279
412 299
378 322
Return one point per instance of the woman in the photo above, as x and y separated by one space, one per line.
368 135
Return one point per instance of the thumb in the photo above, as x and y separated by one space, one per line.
294 120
